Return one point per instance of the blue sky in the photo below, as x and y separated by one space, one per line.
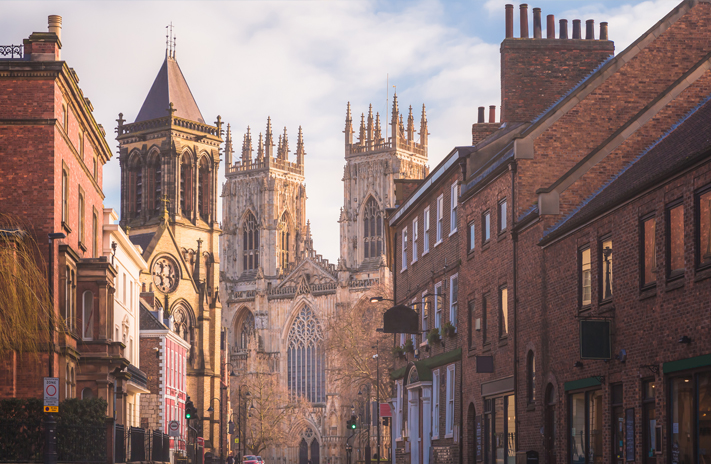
300 62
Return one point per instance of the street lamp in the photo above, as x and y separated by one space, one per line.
367 421
377 393
241 433
50 449
210 410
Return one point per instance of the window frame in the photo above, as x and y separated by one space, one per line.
435 404
95 233
84 335
415 231
601 268
673 274
426 231
453 300
453 208
471 236
642 250
503 334
486 227
423 315
81 222
531 377
699 248
440 220
437 306
404 250
502 219
582 305
471 312
65 195
484 319
450 392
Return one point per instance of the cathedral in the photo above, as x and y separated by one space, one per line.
277 291
169 160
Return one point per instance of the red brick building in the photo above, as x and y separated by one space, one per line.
52 153
425 253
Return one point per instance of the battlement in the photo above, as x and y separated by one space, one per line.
265 158
370 139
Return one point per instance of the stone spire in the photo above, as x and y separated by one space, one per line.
370 125
378 136
285 146
394 122
423 127
279 148
300 153
308 241
269 140
410 127
361 135
401 129
247 149
228 147
260 149
349 125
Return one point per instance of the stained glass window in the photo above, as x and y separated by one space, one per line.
372 229
250 243
305 358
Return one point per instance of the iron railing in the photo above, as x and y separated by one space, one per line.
120 443
12 51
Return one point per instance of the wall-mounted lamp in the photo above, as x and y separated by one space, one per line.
578 364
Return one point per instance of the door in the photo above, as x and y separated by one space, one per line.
550 426
315 452
303 452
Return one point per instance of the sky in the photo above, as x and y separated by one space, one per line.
300 62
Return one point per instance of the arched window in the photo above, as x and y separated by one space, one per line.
67 383
65 195
87 393
250 236
139 190
156 172
244 330
372 229
88 315
186 185
204 196
181 323
305 358
531 374
284 240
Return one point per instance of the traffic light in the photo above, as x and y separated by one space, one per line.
352 424
190 410
231 428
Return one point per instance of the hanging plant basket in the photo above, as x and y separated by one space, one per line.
433 337
449 329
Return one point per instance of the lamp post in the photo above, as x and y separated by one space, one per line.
210 409
226 387
368 424
50 449
240 433
377 394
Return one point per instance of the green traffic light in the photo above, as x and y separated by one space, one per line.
353 425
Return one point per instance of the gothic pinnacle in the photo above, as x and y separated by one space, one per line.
300 148
285 146
268 140
260 149
349 125
248 144
370 124
361 135
410 127
228 147
378 136
423 127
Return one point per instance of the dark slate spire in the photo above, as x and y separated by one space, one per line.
170 87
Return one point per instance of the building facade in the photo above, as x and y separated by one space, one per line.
169 161
279 292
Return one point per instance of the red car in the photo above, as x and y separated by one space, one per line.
252 460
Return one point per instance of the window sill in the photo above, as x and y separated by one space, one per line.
66 228
702 273
485 246
413 262
435 437
503 232
503 341
403 270
82 247
649 291
453 232
531 407
448 435
487 347
585 308
438 243
424 253
674 284
472 351
604 302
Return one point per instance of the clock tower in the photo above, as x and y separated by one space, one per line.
169 159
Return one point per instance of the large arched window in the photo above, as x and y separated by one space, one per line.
186 185
156 173
244 330
250 236
204 196
372 229
88 315
305 358
283 240
182 323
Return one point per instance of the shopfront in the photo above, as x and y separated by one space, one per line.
499 422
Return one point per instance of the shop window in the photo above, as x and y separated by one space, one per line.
690 407
651 427
586 427
703 249
500 430
606 269
618 424
426 237
649 255
503 312
675 241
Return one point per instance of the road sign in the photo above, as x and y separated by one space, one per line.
51 394
200 441
237 440
174 429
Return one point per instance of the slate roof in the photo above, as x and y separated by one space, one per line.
142 240
149 321
686 143
170 86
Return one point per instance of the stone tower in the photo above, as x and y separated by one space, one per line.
373 164
169 161
264 207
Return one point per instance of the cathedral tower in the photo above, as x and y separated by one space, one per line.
169 161
264 210
373 164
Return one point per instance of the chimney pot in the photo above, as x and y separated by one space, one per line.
492 113
509 21
576 28
563 33
536 23
524 20
480 119
55 25
550 27
590 29
603 31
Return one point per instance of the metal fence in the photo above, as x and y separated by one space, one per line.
23 441
81 443
120 443
138 444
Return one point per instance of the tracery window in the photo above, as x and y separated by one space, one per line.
139 190
204 189
250 236
186 185
372 229
305 358
181 323
283 241
157 173
245 331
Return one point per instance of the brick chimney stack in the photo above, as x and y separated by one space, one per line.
45 46
535 72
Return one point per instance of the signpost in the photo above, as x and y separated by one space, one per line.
174 428
51 394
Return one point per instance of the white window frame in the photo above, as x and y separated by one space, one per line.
453 300
398 426
486 233
404 250
435 404
402 339
502 213
413 337
426 236
440 219
415 227
449 413
423 317
471 239
437 306
454 202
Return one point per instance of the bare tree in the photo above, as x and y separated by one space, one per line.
25 303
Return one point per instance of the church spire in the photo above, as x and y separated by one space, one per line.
260 149
349 125
268 140
300 149
370 125
247 149
285 146
228 148
394 122
423 127
410 127
378 136
361 134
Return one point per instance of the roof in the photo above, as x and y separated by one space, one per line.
686 143
142 240
170 87
149 321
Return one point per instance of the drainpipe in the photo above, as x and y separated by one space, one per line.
514 240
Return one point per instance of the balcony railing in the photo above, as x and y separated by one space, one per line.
12 52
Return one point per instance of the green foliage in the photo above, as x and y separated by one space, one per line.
449 329
409 347
433 336
398 351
